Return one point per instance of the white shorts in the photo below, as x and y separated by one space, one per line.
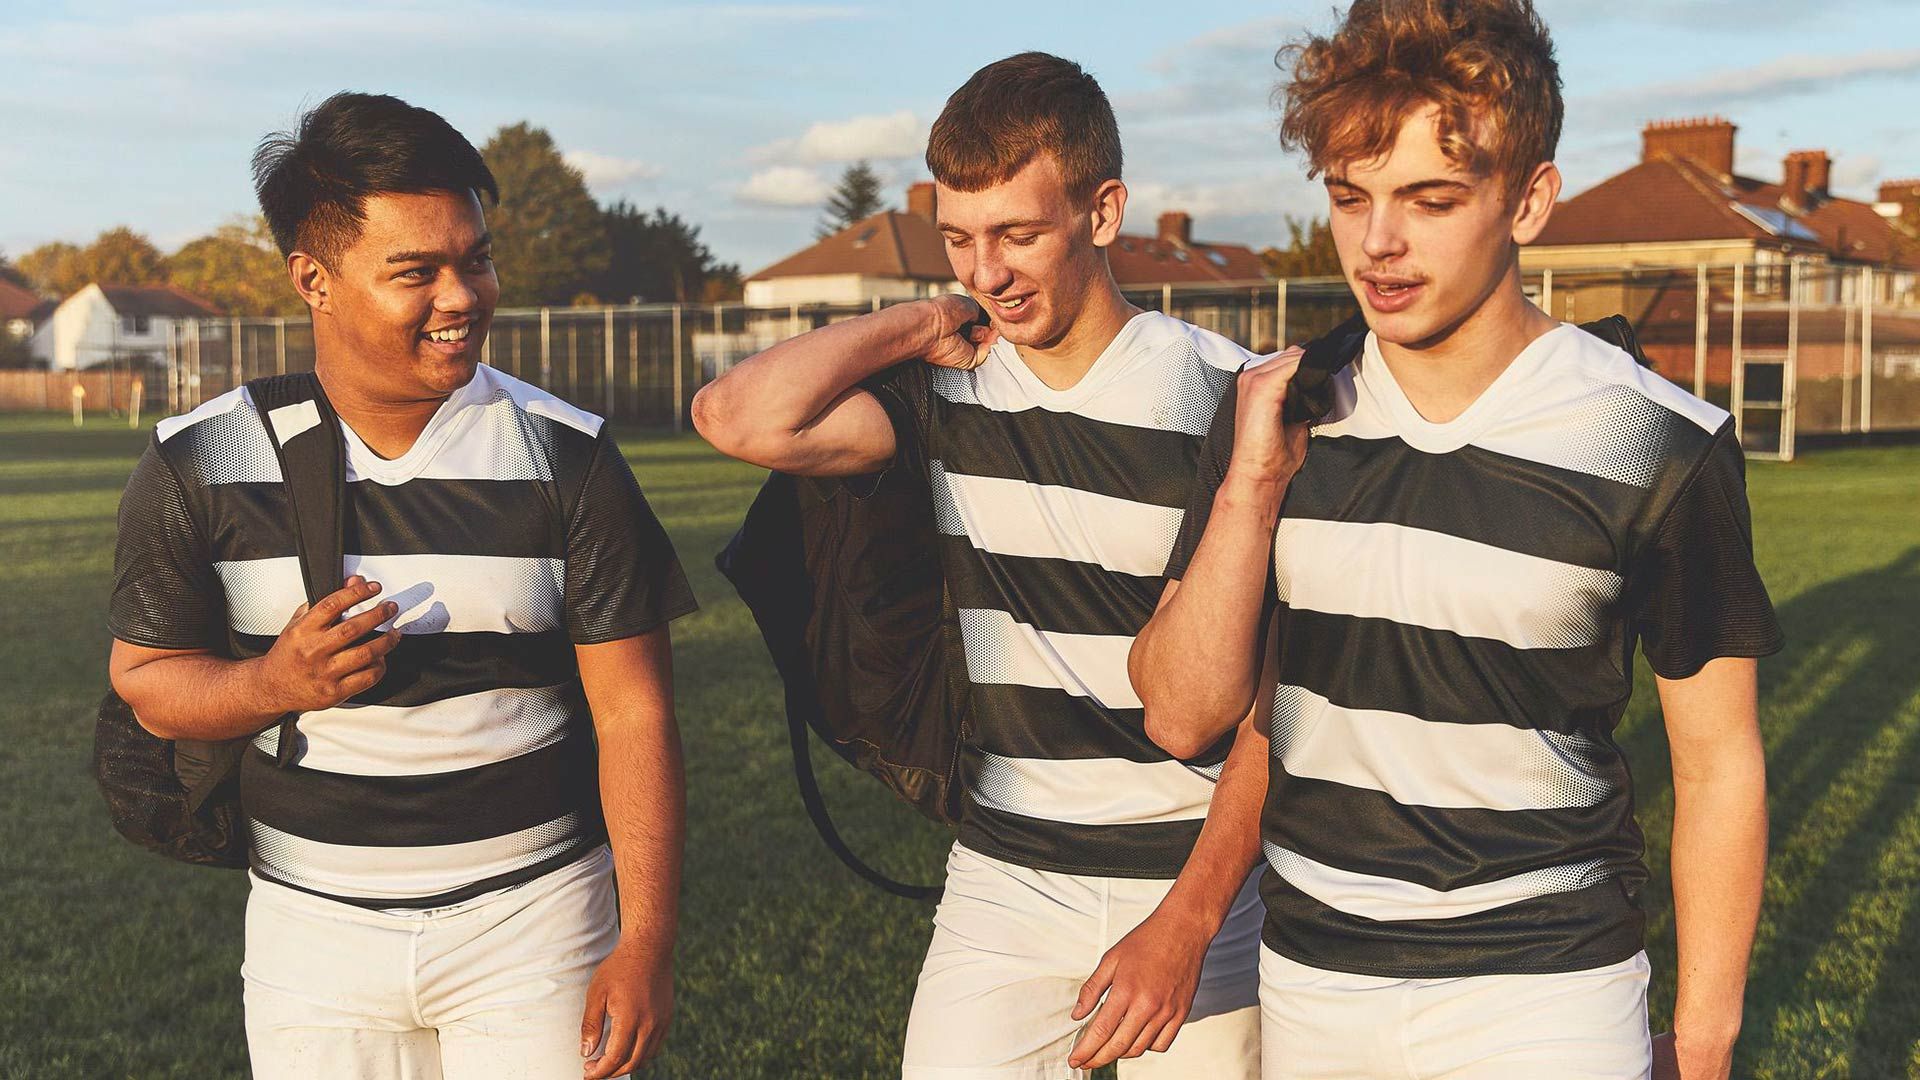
490 988
1011 948
1331 1025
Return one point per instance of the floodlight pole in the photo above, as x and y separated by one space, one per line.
1866 350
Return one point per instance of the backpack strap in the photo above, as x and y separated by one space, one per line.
306 437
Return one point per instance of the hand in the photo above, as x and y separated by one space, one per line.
631 1000
1677 1060
1265 450
1149 978
315 663
962 336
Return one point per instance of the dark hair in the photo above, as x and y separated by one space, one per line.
1488 66
313 182
1015 108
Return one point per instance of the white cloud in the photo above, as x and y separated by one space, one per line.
877 137
604 172
1775 78
785 185
1856 171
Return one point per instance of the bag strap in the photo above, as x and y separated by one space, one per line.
306 437
816 805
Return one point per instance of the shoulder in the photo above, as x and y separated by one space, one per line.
1215 350
493 387
1611 372
220 442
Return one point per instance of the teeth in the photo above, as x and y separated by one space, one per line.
1012 305
458 333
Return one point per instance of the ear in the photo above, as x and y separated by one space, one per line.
1534 205
1109 209
311 280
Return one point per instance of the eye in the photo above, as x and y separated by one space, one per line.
1022 239
1436 206
956 241
416 273
1347 202
481 262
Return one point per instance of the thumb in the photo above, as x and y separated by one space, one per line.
1096 985
593 1021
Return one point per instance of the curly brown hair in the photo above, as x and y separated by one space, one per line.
1487 65
1016 108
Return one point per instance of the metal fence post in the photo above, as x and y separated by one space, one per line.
280 345
1280 312
1546 290
546 358
1700 331
234 361
677 364
1790 378
606 384
1739 360
1866 350
1166 299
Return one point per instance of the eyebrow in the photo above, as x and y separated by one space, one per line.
398 257
1415 188
1001 226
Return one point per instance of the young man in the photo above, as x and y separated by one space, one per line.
1497 509
432 889
1061 439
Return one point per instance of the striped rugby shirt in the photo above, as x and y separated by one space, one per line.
511 531
1057 510
1459 605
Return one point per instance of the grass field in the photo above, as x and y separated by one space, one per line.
115 963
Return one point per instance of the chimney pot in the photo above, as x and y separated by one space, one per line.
1706 140
1805 175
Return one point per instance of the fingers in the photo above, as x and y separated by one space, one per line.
347 631
368 654
1164 1041
354 590
593 1022
1095 985
1125 1033
616 1052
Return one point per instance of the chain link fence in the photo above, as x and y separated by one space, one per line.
1799 353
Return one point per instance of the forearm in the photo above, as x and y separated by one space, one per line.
1229 844
198 696
1719 872
643 794
762 404
1196 662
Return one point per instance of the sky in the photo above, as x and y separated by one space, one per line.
739 117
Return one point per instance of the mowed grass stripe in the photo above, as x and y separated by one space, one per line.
120 964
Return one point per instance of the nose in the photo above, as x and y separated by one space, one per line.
1385 238
990 272
455 294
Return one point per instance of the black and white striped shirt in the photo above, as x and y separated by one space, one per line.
511 531
1459 605
1057 509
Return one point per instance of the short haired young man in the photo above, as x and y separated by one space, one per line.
432 890
1497 508
1062 441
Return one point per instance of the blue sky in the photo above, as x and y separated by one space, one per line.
739 116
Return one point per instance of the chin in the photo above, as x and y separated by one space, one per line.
444 376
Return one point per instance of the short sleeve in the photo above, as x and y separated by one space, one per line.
1216 453
622 576
1700 595
905 391
165 594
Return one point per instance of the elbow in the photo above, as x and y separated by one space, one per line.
1178 736
142 709
724 421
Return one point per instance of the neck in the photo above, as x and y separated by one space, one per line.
388 427
1444 375
1063 363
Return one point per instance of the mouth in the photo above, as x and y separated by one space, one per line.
1390 294
452 335
1011 309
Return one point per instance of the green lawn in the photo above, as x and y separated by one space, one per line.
115 963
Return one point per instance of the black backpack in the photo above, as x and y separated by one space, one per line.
845 583
181 798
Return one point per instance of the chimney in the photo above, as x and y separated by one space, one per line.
1707 140
920 201
1804 177
1900 198
1176 227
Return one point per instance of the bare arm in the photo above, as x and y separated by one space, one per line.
796 407
314 664
1215 610
629 686
1719 854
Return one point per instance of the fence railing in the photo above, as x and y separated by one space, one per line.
1792 350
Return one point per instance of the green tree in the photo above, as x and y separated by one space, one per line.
1309 251
856 197
53 268
121 256
239 269
549 243
656 258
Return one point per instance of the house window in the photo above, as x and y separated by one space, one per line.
135 324
1898 363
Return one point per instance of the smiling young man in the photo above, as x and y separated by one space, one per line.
1461 559
432 891
1061 439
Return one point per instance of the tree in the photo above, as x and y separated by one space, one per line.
53 268
11 273
549 242
1309 252
856 197
239 269
121 256
656 258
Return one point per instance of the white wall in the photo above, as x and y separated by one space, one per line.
85 331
